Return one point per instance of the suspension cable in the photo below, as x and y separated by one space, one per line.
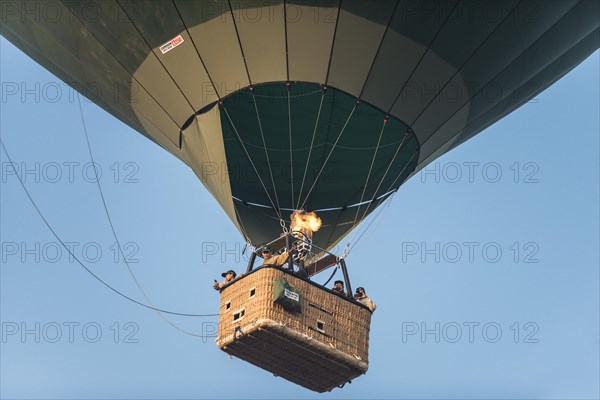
290 131
355 223
77 259
401 172
251 162
329 155
385 174
112 227
312 141
378 217
369 173
266 151
387 206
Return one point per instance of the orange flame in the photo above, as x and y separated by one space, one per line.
305 222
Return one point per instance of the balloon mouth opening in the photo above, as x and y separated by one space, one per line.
289 148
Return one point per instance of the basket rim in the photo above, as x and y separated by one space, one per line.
288 272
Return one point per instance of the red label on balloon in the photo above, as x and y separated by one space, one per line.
171 44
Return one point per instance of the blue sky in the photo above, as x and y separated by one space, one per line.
497 241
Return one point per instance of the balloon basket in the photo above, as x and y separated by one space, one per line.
321 347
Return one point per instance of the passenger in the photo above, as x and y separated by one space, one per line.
301 272
275 260
361 296
229 276
338 287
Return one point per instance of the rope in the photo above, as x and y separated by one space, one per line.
80 263
329 155
382 211
278 208
369 173
311 147
251 162
290 131
355 223
393 183
385 174
266 152
139 286
401 172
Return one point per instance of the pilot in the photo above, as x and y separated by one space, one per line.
277 260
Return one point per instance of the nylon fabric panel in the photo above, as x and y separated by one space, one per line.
348 161
361 26
206 22
410 32
203 144
310 27
262 37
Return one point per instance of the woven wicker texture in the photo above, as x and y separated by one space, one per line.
320 348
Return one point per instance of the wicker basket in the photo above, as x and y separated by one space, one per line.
320 348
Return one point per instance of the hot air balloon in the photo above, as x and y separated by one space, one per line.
328 106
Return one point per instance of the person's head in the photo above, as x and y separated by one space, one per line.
265 252
229 275
360 291
339 286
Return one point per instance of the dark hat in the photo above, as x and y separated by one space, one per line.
360 289
265 248
224 274
336 282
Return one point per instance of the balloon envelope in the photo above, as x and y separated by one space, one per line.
322 105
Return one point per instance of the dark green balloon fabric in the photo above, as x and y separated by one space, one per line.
341 153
